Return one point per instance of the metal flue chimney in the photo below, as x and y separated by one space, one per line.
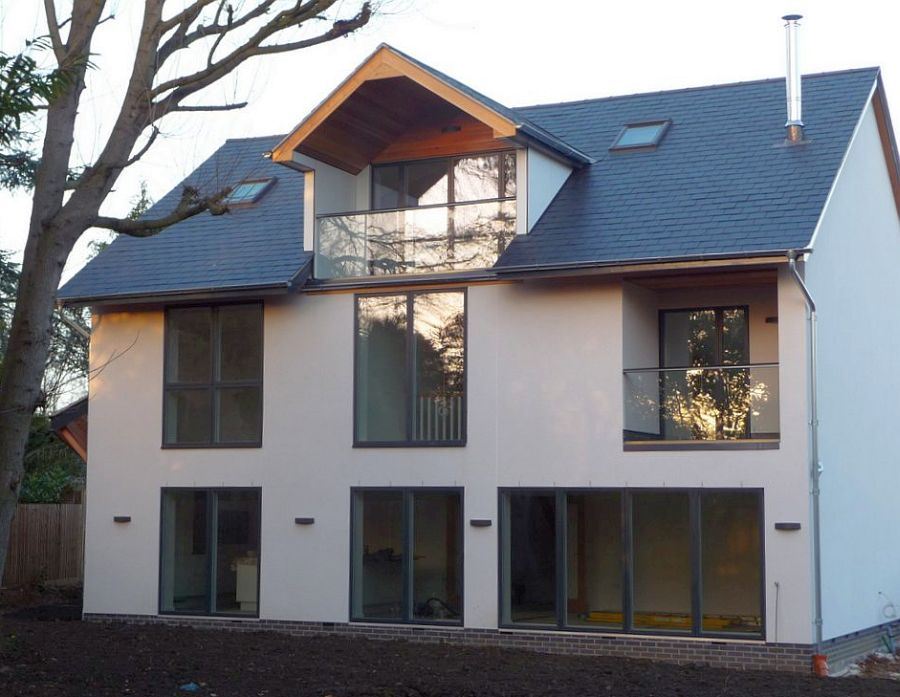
794 123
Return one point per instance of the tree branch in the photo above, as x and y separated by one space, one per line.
210 107
140 153
53 27
191 204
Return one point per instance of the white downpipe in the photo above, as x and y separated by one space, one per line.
815 463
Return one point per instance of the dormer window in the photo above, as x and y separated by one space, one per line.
640 135
248 191
483 177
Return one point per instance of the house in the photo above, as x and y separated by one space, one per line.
610 376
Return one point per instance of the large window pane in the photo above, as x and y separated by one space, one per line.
188 420
239 415
240 342
426 183
381 369
188 346
378 557
438 391
731 562
529 559
661 537
476 178
387 187
237 552
689 338
184 558
437 549
594 559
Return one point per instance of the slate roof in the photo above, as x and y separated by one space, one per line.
720 183
256 247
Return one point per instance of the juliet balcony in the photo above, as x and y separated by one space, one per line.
700 362
724 403
421 239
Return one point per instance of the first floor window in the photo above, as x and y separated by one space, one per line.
674 560
213 376
410 369
406 555
209 551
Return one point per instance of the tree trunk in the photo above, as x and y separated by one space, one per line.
26 357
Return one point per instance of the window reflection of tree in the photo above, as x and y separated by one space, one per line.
415 241
709 403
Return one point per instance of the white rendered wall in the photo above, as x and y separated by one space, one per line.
545 177
852 274
545 409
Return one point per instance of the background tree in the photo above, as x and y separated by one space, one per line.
223 36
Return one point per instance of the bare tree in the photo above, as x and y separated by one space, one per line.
222 35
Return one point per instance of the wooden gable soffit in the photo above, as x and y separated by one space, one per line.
386 63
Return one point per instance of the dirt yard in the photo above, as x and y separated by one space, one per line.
46 651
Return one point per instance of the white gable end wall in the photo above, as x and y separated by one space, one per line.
544 180
852 274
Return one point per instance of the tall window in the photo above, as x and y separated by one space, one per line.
410 369
213 376
407 555
707 392
209 551
633 560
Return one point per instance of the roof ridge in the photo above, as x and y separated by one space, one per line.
269 137
677 90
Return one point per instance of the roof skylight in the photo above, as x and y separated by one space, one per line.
248 191
640 135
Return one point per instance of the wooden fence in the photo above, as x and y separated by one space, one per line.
46 544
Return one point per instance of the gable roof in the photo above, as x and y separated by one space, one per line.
387 62
721 183
251 248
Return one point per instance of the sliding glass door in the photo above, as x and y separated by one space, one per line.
209 551
684 561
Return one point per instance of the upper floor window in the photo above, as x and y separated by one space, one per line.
410 369
213 376
485 177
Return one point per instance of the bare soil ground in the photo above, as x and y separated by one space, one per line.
46 650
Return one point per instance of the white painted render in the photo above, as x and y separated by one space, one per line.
852 274
545 177
545 395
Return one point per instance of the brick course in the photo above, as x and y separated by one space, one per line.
738 655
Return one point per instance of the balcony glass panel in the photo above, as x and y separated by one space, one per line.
718 403
427 239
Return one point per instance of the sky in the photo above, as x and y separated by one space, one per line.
518 52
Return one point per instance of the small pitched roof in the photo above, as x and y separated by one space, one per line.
410 80
251 248
721 182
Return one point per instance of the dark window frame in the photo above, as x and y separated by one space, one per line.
695 496
665 124
214 384
408 493
719 311
410 368
210 544
451 161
